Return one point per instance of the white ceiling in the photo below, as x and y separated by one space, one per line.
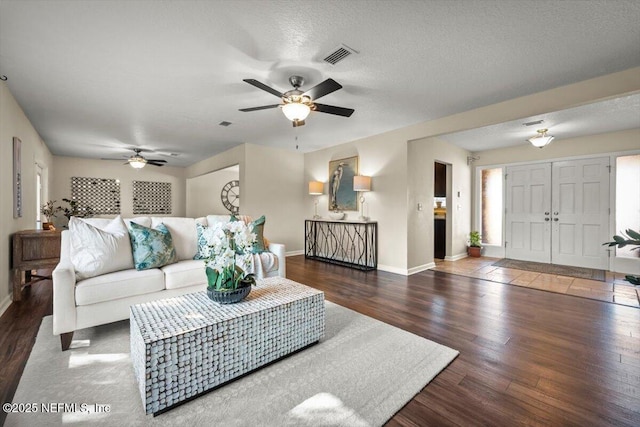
97 77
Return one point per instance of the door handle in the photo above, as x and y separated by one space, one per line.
546 213
555 219
546 219
555 213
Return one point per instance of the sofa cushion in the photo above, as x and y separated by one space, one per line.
121 284
183 232
152 247
99 250
184 273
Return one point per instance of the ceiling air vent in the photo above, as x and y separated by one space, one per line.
224 123
537 122
338 54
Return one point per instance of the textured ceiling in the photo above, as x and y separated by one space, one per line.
97 77
592 119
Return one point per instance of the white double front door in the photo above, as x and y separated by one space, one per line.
559 212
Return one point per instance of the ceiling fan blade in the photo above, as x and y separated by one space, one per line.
264 107
264 87
156 160
338 111
149 162
325 88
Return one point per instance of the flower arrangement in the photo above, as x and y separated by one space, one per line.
229 256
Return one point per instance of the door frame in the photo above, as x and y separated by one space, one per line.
615 264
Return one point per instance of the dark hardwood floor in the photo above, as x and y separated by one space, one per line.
527 357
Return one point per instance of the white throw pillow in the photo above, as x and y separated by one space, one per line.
96 251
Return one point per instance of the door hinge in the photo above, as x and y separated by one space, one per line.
609 168
505 243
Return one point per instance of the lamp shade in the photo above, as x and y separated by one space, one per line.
296 111
542 139
316 188
361 183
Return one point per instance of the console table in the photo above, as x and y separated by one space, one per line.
349 243
33 250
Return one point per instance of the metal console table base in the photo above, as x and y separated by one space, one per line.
349 243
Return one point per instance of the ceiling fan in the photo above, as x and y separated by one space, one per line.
137 161
296 104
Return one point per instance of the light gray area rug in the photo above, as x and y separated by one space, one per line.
360 374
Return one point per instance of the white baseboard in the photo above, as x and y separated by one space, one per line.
420 268
455 257
294 253
394 270
404 271
5 304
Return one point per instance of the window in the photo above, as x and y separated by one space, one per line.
491 206
627 199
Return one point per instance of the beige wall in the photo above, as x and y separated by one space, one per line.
271 184
203 192
273 187
67 167
13 122
384 158
421 157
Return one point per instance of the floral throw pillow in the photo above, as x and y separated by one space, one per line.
152 247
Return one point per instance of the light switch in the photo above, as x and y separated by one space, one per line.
419 206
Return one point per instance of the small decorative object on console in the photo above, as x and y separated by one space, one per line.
336 215
230 255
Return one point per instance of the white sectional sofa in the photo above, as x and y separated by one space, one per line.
107 298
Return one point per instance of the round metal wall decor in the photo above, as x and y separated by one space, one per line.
230 196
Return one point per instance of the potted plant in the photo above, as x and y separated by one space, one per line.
475 247
49 210
229 256
76 210
630 238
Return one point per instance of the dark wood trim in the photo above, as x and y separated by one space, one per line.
526 356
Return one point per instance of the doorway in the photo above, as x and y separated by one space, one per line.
440 210
558 212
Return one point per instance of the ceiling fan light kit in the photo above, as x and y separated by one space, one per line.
542 139
137 162
296 105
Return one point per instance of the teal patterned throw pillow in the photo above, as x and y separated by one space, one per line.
258 228
152 247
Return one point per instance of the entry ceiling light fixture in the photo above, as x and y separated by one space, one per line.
542 139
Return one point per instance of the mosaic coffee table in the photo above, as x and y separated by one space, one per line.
184 346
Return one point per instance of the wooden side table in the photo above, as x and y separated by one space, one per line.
33 250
